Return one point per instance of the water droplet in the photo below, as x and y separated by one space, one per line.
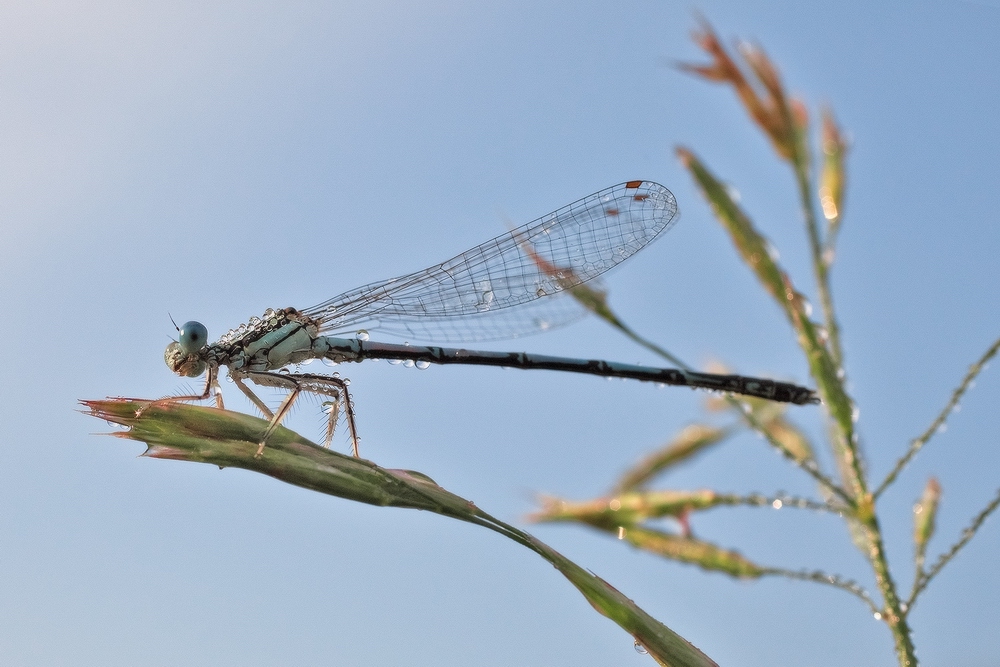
329 362
362 334
621 532
422 364
776 504
395 362
733 193
855 413
772 252
408 363
639 648
878 616
229 378
347 382
284 371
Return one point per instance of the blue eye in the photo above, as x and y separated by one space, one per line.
192 337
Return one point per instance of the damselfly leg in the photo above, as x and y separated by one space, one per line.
334 388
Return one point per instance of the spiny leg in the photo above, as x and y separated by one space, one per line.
238 381
332 409
324 385
211 381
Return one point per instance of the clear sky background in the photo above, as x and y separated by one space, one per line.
213 161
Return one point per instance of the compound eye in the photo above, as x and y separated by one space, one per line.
192 337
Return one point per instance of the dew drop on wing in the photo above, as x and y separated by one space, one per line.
362 334
395 362
422 364
485 300
408 363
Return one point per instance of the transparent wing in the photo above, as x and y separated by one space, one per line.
470 297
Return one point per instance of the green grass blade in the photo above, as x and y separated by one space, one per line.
229 440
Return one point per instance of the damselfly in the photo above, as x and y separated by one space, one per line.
515 284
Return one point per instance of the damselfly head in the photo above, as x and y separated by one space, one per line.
182 355
182 363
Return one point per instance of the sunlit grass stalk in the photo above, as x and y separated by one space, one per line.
918 443
924 578
785 121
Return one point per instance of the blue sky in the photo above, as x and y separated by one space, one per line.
211 162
